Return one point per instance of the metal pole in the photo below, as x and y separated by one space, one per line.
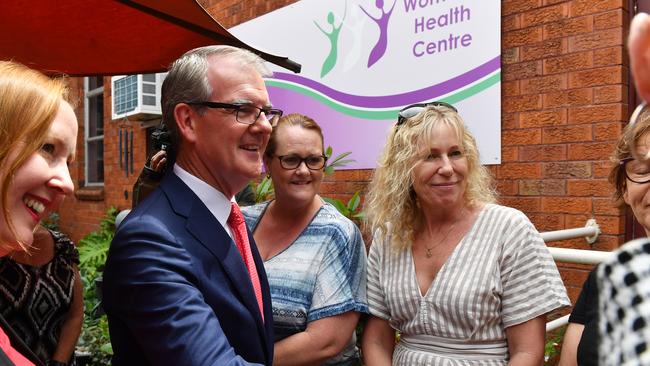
590 232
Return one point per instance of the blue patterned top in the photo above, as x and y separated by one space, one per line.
322 273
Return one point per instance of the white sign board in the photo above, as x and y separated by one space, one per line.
363 60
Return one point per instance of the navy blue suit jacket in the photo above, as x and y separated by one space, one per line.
176 290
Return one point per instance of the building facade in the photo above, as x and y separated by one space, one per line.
566 95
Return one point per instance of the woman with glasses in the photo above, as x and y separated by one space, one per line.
623 311
314 257
465 281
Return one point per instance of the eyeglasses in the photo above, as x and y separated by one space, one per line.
413 109
245 113
313 162
635 170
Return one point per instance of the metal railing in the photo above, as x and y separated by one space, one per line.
590 232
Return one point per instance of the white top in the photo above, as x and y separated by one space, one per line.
500 274
211 197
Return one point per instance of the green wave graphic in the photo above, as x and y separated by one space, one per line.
461 94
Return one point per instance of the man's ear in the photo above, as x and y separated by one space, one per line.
185 116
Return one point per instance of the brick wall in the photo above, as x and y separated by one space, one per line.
564 87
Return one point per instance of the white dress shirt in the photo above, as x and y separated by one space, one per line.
212 198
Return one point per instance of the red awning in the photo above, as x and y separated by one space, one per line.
110 37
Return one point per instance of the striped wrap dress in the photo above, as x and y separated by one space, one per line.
500 274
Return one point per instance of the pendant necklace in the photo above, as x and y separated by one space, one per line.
429 249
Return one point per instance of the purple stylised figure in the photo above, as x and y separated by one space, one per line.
382 22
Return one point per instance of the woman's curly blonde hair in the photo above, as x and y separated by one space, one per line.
391 200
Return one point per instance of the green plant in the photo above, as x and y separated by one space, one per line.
263 190
553 346
351 209
93 249
338 161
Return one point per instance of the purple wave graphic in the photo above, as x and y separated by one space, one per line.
397 100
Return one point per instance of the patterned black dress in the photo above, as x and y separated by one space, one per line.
36 300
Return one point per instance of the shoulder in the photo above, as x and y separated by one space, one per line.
329 215
64 246
254 212
506 217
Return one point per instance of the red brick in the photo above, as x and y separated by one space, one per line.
611 225
605 206
607 131
601 169
509 56
590 151
570 62
596 77
544 15
506 187
568 27
517 6
610 94
563 134
608 57
597 39
597 113
583 7
509 153
588 188
510 88
544 84
543 118
566 170
611 19
567 98
522 37
509 120
547 222
521 137
569 205
527 205
543 153
522 70
519 171
549 48
521 103
510 22
542 187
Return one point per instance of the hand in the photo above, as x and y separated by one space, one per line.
639 47
158 161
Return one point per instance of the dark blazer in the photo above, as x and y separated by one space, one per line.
176 290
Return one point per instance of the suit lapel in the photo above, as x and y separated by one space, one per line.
210 234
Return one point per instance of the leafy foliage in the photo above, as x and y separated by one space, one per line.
263 190
338 161
351 209
93 249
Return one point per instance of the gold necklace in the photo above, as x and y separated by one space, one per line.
429 249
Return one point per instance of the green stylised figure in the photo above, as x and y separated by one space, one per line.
333 37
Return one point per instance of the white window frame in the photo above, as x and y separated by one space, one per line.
88 94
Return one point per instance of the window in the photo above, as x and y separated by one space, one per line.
94 130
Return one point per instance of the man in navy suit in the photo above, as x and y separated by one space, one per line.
176 288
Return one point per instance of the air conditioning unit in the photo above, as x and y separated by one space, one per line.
137 97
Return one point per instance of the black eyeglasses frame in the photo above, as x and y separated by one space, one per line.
281 158
274 112
623 164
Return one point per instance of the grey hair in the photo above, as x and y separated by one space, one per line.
187 79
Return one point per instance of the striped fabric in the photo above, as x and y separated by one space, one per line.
499 275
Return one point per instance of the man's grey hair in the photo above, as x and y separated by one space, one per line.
187 80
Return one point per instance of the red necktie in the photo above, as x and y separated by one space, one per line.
238 226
